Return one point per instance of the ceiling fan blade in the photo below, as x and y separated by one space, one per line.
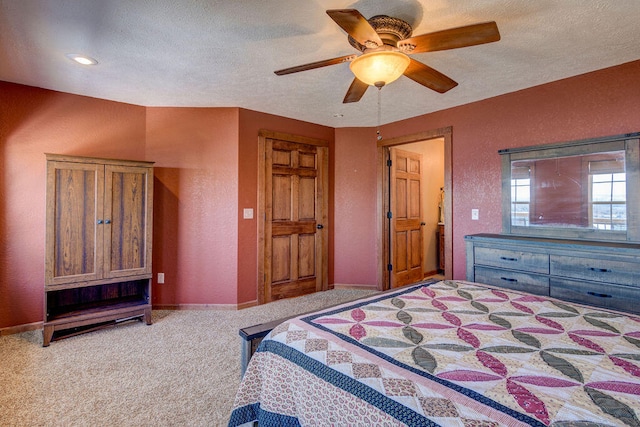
319 64
427 76
356 26
452 38
355 92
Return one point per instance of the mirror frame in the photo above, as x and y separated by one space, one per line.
630 143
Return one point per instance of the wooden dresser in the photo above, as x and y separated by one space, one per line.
605 274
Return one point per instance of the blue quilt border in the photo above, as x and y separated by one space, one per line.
348 384
254 412
462 390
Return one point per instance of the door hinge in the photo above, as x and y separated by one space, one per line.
390 267
389 162
389 215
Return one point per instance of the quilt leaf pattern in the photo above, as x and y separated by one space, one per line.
551 360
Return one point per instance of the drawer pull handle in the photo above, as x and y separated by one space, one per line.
595 294
600 270
508 279
504 258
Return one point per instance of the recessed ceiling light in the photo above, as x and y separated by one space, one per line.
82 59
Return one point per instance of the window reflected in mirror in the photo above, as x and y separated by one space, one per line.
583 191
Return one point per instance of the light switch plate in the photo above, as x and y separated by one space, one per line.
475 214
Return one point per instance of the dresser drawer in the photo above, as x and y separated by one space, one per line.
596 269
623 298
525 282
516 260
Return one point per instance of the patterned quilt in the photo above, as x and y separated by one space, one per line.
451 353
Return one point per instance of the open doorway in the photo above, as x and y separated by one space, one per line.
431 242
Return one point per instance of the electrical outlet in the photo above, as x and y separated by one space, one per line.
475 214
160 277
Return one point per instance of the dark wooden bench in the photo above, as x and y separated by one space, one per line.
252 336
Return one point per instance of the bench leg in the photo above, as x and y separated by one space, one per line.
47 334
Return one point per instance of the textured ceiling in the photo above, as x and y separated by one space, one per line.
223 53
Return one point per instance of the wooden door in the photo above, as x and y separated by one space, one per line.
74 237
406 217
127 220
295 248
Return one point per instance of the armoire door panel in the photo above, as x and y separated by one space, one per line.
74 236
75 213
126 218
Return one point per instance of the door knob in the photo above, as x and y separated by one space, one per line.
319 226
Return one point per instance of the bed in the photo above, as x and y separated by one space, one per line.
448 353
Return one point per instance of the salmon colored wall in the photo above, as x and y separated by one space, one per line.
207 160
251 122
355 242
205 173
604 102
195 204
33 122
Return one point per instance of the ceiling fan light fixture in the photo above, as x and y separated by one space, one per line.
379 68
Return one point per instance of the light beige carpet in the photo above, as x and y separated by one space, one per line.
181 371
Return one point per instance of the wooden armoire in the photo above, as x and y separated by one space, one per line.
98 243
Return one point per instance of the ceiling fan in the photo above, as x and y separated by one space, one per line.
385 36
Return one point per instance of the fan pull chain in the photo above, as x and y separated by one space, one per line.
379 137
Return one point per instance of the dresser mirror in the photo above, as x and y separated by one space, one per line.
588 189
